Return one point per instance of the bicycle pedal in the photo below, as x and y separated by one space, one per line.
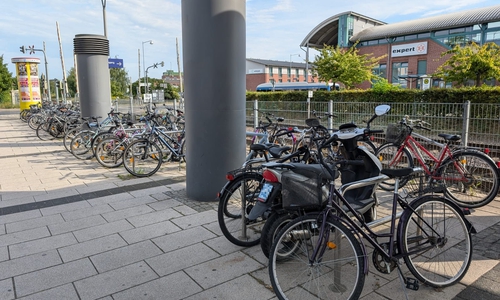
412 284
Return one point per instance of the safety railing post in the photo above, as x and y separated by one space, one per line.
465 127
330 111
255 113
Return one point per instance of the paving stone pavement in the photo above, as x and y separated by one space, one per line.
70 229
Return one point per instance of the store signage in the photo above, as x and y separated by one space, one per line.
409 49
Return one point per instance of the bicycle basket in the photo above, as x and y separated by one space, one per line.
396 133
300 191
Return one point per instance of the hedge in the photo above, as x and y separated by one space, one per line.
459 95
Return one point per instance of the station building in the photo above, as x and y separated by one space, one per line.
413 48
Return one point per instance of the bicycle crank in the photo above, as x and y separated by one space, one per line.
381 263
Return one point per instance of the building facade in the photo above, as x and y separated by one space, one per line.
412 49
266 71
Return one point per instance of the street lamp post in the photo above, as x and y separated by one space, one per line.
33 50
146 78
143 64
291 65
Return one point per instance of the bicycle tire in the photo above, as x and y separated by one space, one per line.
35 120
229 212
391 158
68 137
482 178
338 273
142 158
109 152
42 132
98 138
438 261
274 223
80 145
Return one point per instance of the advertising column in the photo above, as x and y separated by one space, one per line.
27 80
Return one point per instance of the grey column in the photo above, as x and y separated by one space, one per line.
213 33
92 53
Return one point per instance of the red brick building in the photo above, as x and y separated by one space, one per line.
413 48
264 71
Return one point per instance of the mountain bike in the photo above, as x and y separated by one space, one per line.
323 256
466 175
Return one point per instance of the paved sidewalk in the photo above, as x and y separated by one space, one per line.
71 229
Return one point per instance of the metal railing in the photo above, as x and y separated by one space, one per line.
478 124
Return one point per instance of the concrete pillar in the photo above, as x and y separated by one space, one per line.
92 53
213 33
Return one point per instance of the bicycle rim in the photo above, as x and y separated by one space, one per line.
391 158
471 180
437 241
236 228
142 158
335 274
109 152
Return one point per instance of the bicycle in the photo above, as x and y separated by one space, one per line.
469 177
323 256
144 157
109 151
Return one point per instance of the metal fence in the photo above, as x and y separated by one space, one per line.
478 124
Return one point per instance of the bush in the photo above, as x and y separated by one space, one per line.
435 95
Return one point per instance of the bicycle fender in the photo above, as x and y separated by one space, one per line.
224 188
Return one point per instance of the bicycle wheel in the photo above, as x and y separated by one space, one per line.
80 145
273 225
109 152
42 131
435 240
34 121
471 179
98 138
232 215
392 157
337 271
142 158
68 137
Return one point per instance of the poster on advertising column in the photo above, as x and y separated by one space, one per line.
28 82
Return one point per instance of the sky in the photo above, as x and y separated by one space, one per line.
274 28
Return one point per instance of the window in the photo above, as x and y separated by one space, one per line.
422 67
280 72
493 24
270 71
381 71
399 69
441 32
410 37
424 35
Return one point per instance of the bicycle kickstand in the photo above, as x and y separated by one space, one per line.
407 282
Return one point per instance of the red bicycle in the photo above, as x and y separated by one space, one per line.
468 176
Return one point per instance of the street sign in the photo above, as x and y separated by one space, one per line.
115 63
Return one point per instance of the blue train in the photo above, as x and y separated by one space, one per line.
296 86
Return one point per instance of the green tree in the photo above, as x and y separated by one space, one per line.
6 82
344 65
71 80
119 82
472 62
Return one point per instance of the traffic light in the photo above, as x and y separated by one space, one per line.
22 49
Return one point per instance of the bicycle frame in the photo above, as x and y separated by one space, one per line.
416 150
364 230
163 137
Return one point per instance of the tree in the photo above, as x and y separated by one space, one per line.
344 65
71 80
472 62
6 82
119 82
